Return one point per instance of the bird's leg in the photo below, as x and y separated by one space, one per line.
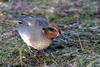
36 52
30 50
41 53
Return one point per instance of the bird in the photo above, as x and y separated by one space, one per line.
36 31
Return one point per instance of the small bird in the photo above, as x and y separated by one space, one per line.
36 31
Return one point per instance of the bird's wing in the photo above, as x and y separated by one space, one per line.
41 21
33 37
29 31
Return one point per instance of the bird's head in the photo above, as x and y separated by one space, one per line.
52 31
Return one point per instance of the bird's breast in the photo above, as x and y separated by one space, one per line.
40 44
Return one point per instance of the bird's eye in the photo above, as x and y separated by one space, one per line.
20 22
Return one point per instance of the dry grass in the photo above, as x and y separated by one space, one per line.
77 46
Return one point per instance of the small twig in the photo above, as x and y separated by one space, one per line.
20 57
80 42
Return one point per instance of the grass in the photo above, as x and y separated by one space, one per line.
81 46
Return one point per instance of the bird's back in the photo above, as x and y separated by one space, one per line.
33 20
